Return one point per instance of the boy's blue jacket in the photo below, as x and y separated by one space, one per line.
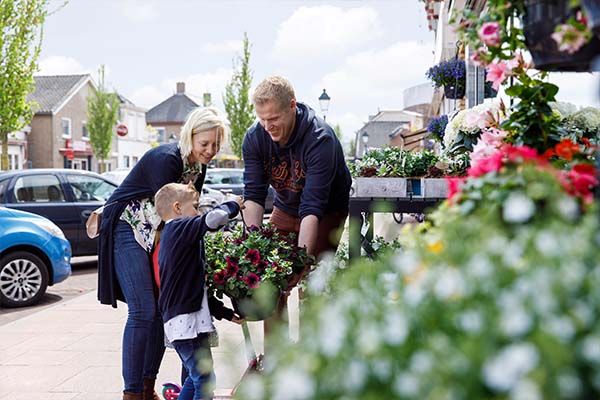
182 266
309 174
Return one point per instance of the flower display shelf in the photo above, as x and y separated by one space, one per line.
400 187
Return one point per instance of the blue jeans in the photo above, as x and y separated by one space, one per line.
197 359
143 338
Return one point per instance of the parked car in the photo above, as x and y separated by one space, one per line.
64 196
232 180
117 175
34 254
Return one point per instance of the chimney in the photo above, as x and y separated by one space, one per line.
180 87
206 98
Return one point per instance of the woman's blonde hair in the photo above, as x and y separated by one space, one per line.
199 120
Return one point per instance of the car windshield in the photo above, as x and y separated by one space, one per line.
224 177
90 188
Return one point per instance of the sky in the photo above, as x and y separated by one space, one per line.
364 53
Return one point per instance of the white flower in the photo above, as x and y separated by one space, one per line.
591 349
449 283
293 384
369 338
568 208
508 367
547 243
470 321
406 385
515 322
569 386
526 390
356 375
333 327
396 328
421 362
561 327
319 279
382 368
480 266
406 263
518 208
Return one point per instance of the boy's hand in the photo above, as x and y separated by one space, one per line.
237 319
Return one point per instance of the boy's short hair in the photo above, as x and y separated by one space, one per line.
169 194
276 89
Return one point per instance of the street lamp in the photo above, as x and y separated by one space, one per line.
365 139
324 103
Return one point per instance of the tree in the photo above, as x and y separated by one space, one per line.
338 131
103 111
21 31
238 106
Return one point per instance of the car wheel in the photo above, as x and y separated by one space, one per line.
23 279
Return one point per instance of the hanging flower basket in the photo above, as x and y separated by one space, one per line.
454 91
258 307
539 23
451 74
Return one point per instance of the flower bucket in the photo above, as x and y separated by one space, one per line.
454 91
256 308
540 19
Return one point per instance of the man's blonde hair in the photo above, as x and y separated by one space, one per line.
169 194
202 119
274 88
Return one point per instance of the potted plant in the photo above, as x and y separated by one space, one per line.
252 266
437 126
557 35
450 74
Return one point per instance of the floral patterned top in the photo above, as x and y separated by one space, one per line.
142 215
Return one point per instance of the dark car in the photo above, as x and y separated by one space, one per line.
232 180
64 196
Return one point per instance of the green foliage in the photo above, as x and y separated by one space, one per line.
338 131
21 30
103 111
239 108
394 162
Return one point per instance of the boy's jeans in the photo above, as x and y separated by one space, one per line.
143 338
197 359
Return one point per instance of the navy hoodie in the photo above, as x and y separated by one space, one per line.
309 174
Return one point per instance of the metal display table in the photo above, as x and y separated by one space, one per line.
362 209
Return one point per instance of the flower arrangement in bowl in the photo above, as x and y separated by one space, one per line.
451 74
252 267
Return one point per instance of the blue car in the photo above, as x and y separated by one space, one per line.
34 254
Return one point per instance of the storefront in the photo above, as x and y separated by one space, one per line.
77 154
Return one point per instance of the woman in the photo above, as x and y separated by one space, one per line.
127 234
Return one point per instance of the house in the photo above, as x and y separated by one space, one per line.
17 149
58 137
133 138
168 117
382 128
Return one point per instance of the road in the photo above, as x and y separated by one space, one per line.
83 280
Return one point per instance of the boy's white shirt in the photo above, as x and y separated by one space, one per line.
188 326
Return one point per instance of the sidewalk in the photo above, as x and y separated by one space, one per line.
72 351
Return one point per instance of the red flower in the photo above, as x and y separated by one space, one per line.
232 267
580 181
454 185
519 153
219 277
486 165
566 149
253 255
252 280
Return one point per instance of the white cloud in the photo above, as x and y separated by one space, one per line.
195 85
228 46
139 10
374 79
577 88
312 32
60 65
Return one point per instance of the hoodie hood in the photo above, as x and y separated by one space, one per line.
304 119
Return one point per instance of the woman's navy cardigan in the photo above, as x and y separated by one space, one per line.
159 166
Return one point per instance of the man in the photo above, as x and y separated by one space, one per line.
299 155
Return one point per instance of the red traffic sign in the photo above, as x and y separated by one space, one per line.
122 130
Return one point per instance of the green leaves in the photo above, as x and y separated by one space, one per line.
394 162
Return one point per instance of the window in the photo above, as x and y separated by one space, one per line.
126 162
65 124
85 135
161 135
90 188
134 160
84 165
38 189
3 186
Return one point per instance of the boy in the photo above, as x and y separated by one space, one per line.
185 307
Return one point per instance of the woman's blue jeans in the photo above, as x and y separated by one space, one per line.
143 338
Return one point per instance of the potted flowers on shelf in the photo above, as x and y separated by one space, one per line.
451 74
252 267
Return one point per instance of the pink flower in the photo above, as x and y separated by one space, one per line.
486 165
497 73
489 33
477 57
580 181
520 153
454 186
569 38
516 62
